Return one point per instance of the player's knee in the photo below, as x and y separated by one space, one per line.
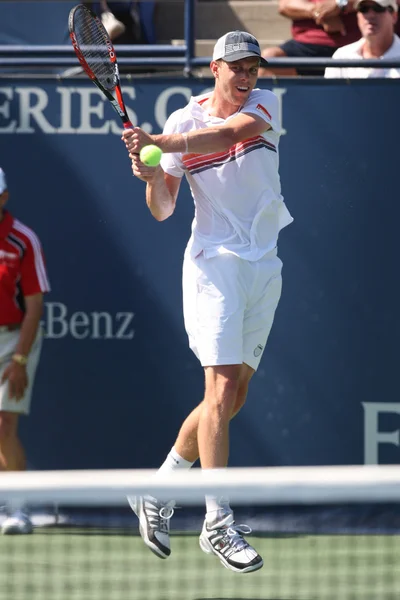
8 426
223 397
229 389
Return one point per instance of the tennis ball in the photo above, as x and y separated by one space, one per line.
150 155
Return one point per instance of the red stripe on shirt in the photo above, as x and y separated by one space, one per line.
22 268
194 161
264 110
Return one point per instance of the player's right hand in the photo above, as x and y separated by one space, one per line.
135 138
17 380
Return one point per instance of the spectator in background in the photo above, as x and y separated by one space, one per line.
113 26
318 29
376 20
23 280
120 19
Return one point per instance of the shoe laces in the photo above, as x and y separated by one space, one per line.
159 513
232 536
167 510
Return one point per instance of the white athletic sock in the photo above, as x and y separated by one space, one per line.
174 462
217 507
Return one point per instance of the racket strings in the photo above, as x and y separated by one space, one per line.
92 42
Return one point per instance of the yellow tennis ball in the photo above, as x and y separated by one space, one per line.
150 155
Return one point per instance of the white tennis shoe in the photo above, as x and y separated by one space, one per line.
154 518
16 524
224 539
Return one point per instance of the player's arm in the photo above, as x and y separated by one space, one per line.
161 189
30 323
161 194
214 139
15 372
202 141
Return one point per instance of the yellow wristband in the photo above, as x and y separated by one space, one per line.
21 359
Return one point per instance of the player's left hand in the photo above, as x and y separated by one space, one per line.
17 380
141 171
135 139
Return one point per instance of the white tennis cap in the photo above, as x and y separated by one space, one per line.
236 45
385 3
3 182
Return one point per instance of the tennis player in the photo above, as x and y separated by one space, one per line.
226 144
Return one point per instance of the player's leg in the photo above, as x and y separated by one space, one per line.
222 386
186 444
12 454
154 516
216 336
214 300
217 507
186 449
12 458
220 535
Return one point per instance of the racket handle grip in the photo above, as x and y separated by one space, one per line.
128 125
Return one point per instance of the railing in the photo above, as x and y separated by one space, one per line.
161 55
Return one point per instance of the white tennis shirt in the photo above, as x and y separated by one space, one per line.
354 51
239 208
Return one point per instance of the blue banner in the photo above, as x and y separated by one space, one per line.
116 377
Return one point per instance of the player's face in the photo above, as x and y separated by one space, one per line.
372 23
237 79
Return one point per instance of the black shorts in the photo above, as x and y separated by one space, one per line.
301 50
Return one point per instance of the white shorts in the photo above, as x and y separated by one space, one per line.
229 306
8 343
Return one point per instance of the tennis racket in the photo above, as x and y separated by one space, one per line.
97 56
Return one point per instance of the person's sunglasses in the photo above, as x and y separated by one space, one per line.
364 8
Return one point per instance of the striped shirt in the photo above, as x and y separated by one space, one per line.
239 208
22 268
